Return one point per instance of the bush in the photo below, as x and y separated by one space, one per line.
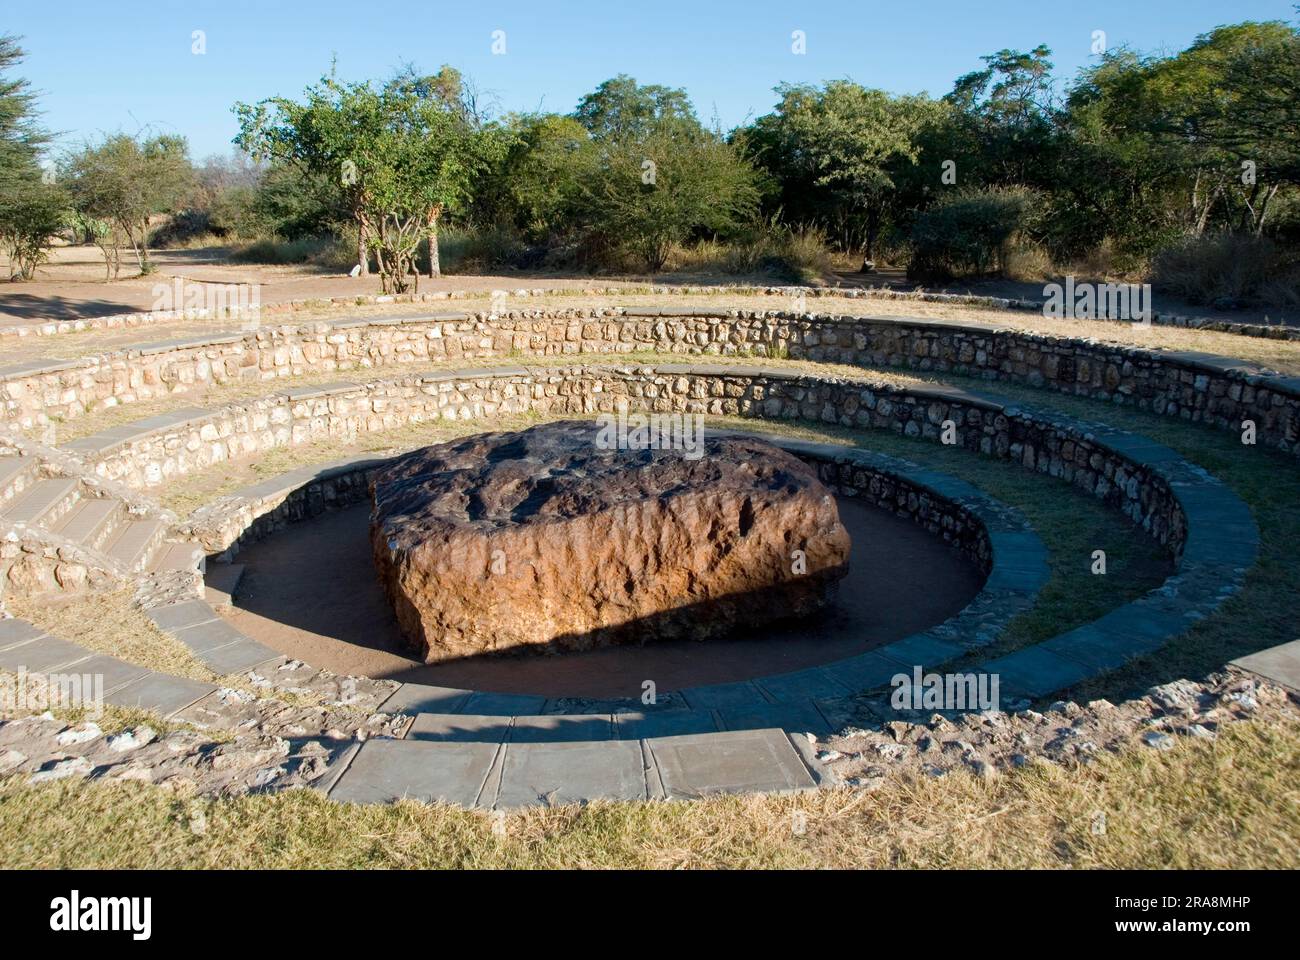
968 234
1229 270
329 252
472 249
30 217
794 255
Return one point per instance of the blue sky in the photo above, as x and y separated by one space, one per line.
122 66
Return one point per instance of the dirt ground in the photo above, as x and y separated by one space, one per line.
310 592
72 284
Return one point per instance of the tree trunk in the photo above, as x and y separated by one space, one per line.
144 247
435 262
135 248
1263 210
363 253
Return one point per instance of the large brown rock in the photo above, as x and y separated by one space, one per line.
539 539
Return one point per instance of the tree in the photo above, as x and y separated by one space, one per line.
649 174
126 180
538 186
621 110
31 210
843 147
31 217
651 195
1234 98
1005 118
401 156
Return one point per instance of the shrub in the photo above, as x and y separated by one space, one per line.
330 252
1229 270
795 255
30 218
968 234
475 249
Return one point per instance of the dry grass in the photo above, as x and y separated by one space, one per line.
1229 804
110 623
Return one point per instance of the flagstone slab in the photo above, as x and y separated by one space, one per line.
550 774
160 692
237 657
1281 664
664 723
459 728
553 728
386 770
425 698
803 717
740 761
41 654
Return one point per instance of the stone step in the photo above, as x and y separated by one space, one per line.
509 775
173 555
92 523
45 502
221 583
136 542
16 475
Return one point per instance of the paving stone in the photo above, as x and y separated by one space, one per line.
792 717
664 723
814 683
715 696
221 582
41 654
1099 649
556 727
733 762
321 390
424 698
116 673
203 638
459 728
502 704
921 649
14 631
1280 664
386 770
161 692
176 616
1034 671
865 671
237 657
556 773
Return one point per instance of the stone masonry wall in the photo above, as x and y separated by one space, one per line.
1193 387
1036 443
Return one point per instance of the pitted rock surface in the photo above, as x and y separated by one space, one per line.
541 539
